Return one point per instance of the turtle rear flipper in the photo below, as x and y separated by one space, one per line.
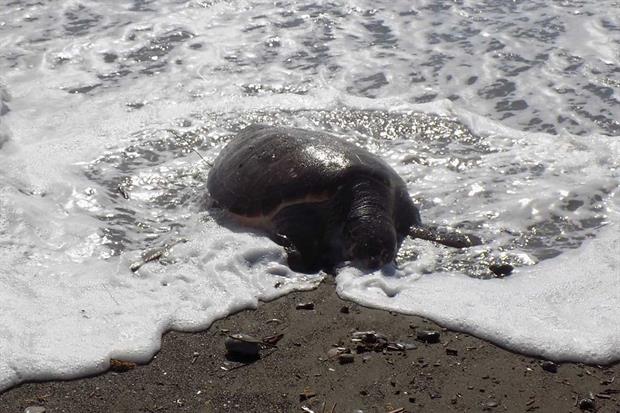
444 237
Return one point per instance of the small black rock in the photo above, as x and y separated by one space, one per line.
305 306
549 366
586 404
428 336
501 270
346 358
452 352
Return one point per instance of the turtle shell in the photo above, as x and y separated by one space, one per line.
264 167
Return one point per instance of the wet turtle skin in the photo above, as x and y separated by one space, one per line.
325 199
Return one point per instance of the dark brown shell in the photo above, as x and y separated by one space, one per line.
263 167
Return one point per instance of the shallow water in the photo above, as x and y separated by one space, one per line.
503 119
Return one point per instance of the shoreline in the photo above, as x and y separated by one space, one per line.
191 372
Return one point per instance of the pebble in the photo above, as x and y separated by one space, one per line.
586 404
335 352
34 409
401 346
368 336
346 358
428 336
305 306
242 345
121 366
501 270
549 366
306 394
489 405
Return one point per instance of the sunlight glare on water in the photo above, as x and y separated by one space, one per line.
502 118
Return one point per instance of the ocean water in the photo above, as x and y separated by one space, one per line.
502 117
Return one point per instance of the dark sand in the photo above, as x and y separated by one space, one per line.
461 373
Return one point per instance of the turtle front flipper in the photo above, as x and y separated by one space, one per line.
300 229
294 258
444 237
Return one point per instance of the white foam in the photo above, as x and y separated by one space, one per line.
565 308
65 310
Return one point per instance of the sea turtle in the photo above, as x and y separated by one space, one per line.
324 199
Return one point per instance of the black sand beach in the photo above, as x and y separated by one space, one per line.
459 373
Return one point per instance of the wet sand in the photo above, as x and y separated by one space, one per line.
459 373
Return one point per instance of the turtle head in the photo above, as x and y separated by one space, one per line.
371 245
371 241
369 236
